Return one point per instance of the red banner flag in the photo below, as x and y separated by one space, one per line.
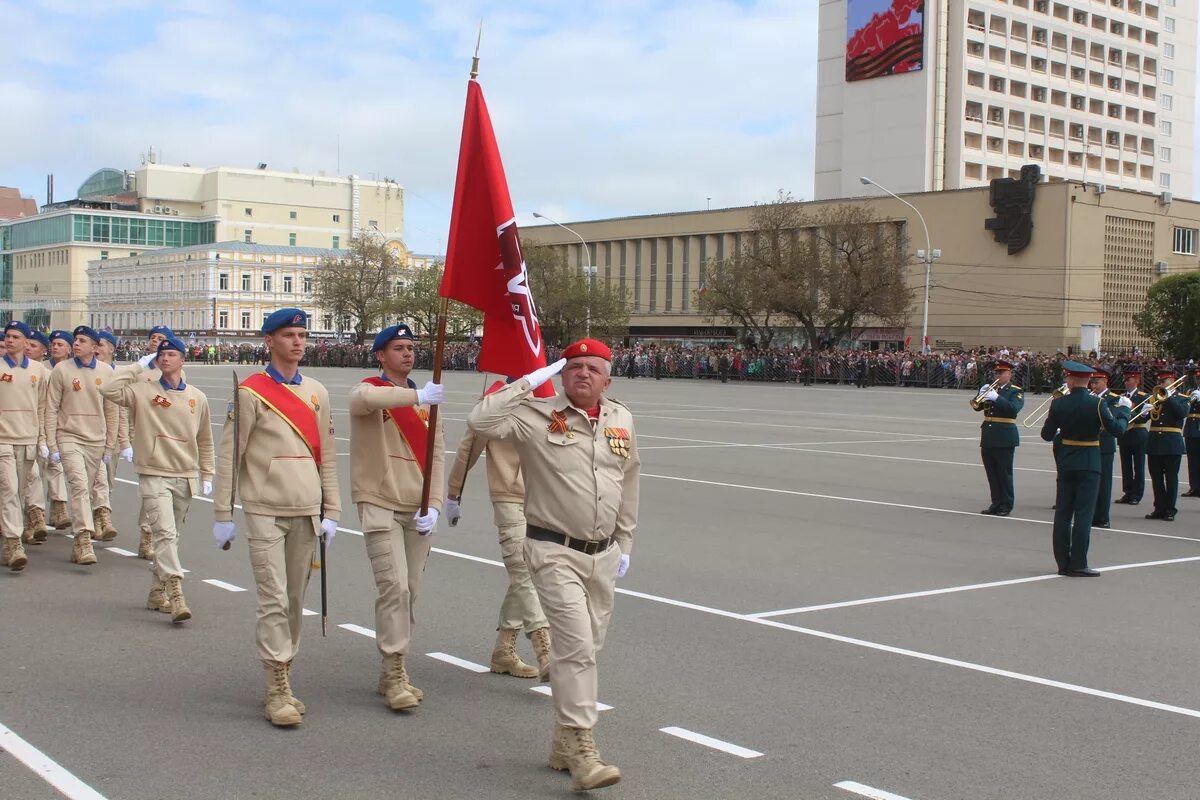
484 265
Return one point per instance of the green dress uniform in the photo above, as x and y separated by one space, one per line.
1164 452
1133 453
1108 451
998 440
1191 441
1074 424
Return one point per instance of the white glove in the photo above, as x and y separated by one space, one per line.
1196 396
328 530
1125 402
1170 392
56 458
427 523
147 361
43 451
127 454
223 533
623 566
453 511
206 488
985 387
106 458
540 376
992 395
431 394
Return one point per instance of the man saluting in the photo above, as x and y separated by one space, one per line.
580 460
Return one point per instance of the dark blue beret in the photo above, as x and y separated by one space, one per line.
20 327
64 335
386 335
108 337
172 342
38 336
163 329
285 318
84 330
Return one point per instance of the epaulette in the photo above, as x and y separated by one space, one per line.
1014 386
616 402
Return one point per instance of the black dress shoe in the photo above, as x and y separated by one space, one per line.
1062 572
1190 493
1002 512
1122 500
1167 517
988 510
1101 525
1083 573
1133 502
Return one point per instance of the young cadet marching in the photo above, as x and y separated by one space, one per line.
1074 424
59 346
37 345
107 352
81 428
578 452
1132 444
999 437
1165 448
520 607
20 423
284 466
1098 386
389 430
1191 436
158 334
174 444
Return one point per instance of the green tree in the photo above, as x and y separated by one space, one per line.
1171 317
566 302
359 286
418 303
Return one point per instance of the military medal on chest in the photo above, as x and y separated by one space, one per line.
6 377
161 401
618 441
76 385
558 423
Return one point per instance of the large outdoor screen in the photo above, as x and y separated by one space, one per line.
886 37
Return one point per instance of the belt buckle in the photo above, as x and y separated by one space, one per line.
590 548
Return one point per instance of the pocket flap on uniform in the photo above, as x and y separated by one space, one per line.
374 518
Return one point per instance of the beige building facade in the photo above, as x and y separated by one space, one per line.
1091 259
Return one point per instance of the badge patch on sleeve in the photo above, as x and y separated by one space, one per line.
618 441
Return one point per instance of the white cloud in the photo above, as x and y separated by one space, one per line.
601 108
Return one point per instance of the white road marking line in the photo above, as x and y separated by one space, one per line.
308 612
906 458
120 552
709 422
459 662
708 741
865 501
796 447
229 587
359 629
953 589
45 767
546 690
863 790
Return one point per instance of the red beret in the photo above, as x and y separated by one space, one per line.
1166 372
588 347
1002 365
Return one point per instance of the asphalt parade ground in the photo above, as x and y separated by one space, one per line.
814 609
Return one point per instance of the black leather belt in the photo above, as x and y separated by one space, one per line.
585 546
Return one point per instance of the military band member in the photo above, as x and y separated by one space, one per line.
520 608
37 345
81 429
389 431
20 424
286 474
60 343
1132 444
158 334
1073 425
1098 386
1165 448
578 452
999 438
1191 436
174 445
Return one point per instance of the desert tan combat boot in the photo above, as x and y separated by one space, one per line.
59 518
179 609
587 769
13 555
558 749
146 545
505 660
295 700
81 550
541 647
105 532
35 525
157 600
278 707
393 684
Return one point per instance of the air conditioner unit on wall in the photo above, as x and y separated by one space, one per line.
1161 267
1164 199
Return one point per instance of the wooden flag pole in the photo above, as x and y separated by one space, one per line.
431 443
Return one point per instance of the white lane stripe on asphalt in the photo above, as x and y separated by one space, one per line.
546 690
359 629
863 790
308 612
795 493
229 587
708 741
952 589
45 767
459 662
120 552
795 447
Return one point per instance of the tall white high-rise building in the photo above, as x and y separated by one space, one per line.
924 95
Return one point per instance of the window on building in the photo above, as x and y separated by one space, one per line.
292 239
1169 24
245 281
249 212
266 282
337 217
327 322
265 314
1168 102
1164 154
1165 127
291 215
1168 50
245 320
223 319
223 281
287 284
1164 180
103 255
1168 77
307 284
248 235
337 242
1184 241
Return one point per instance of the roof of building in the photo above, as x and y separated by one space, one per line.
13 205
252 248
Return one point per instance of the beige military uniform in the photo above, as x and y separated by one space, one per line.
172 444
281 489
520 607
81 426
21 387
53 482
387 481
581 479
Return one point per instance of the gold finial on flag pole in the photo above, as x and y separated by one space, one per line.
475 60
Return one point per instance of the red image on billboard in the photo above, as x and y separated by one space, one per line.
887 37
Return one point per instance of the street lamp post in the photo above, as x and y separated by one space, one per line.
927 255
588 270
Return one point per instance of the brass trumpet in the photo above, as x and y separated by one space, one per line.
977 402
1156 397
1036 417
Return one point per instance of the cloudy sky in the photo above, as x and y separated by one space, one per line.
601 108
